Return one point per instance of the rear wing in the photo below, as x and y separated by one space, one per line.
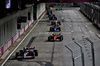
29 48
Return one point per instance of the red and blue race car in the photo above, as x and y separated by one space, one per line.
27 52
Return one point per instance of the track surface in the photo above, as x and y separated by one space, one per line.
74 28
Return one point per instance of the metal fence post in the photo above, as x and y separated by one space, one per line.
72 54
98 36
82 54
92 49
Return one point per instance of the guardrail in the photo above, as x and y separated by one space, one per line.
10 42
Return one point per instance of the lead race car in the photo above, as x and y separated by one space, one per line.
59 8
55 37
27 52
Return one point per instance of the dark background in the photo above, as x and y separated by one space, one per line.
15 4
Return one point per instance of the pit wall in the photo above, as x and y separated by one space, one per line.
8 27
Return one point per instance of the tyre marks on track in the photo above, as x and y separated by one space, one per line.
52 55
30 42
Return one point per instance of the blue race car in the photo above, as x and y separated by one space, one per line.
55 28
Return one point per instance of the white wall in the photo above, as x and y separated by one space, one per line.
8 26
40 7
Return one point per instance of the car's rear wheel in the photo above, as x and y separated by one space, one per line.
50 28
61 38
59 23
33 55
36 52
55 18
49 38
59 29
17 54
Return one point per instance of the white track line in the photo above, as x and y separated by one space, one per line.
86 26
80 29
77 57
22 41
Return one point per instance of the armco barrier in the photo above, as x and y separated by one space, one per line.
21 31
16 36
7 45
26 27
1 52
4 48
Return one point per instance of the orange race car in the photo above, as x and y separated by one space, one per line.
55 37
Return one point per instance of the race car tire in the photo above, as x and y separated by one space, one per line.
61 38
22 51
55 18
36 52
51 23
59 23
59 29
51 29
49 38
53 15
33 55
17 54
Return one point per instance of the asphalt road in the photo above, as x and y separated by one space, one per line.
74 28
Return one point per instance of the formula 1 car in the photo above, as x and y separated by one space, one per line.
27 52
59 9
55 22
55 28
52 17
49 12
55 37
